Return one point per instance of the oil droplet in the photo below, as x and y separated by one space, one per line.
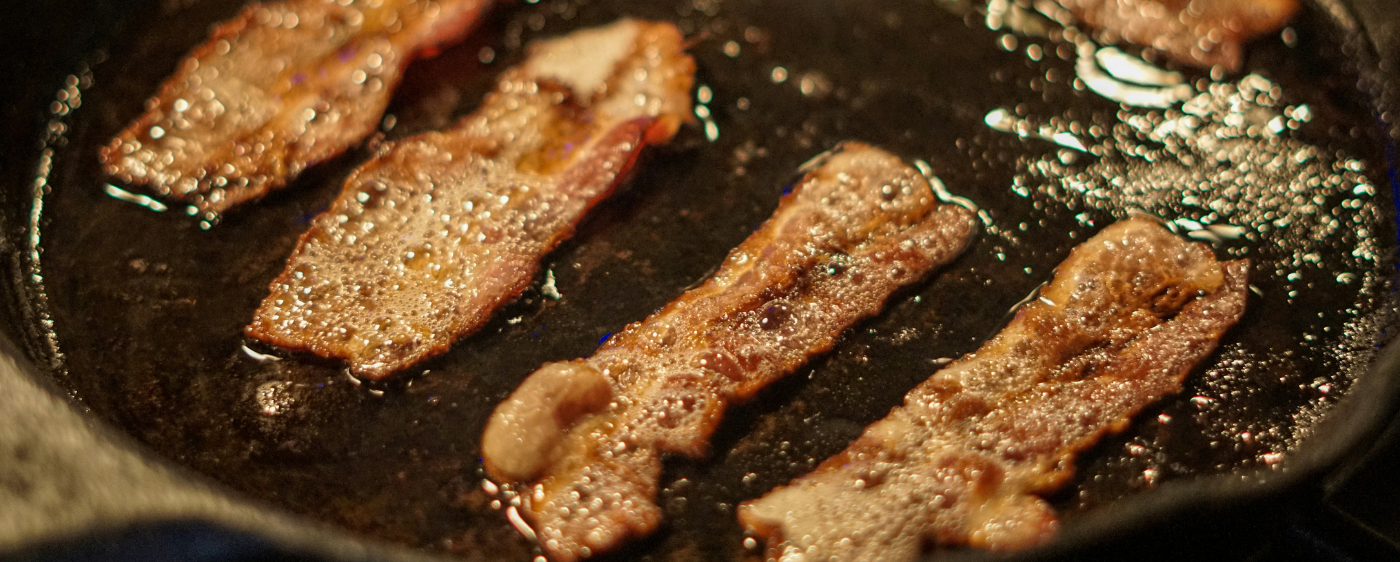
1128 68
1138 95
142 200
549 289
513 515
273 398
711 131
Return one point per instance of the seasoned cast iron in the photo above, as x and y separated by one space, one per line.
134 317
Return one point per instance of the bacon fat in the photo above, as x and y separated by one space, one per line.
1126 317
427 239
279 87
586 436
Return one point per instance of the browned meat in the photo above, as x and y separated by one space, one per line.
1200 32
430 237
586 436
280 87
1124 319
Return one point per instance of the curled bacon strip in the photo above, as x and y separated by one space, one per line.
427 239
1126 317
1199 32
280 87
587 435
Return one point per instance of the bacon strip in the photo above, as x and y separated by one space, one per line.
1125 318
430 237
588 434
280 87
1199 32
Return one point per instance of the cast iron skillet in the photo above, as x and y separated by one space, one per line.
133 316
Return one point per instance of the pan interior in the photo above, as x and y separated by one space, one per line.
1280 163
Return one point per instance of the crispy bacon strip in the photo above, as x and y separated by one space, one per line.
430 237
1123 321
1199 32
280 87
587 435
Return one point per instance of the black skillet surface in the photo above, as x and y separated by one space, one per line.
147 307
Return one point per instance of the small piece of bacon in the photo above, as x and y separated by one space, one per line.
1200 32
280 87
586 436
427 239
1126 317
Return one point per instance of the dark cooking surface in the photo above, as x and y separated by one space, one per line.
148 307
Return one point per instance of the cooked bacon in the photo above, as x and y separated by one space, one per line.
586 436
1200 32
430 237
280 87
1125 318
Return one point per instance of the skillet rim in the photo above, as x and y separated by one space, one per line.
1321 462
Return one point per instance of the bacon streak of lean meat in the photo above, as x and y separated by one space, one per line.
279 87
1201 32
427 239
585 437
1126 317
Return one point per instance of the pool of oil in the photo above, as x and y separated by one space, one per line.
1280 163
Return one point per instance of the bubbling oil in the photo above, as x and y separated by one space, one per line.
159 355
1230 162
